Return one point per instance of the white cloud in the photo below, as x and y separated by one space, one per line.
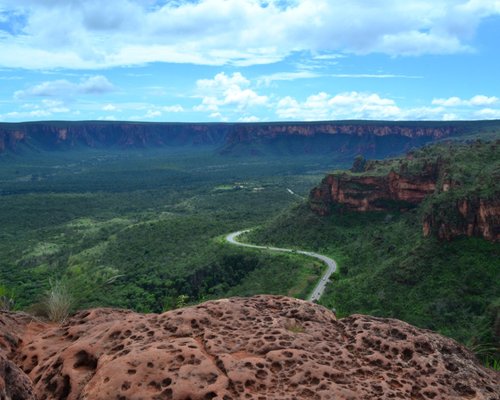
373 106
63 88
96 34
251 118
173 109
347 105
109 107
481 100
286 76
231 91
219 116
43 110
107 118
152 114
488 113
477 101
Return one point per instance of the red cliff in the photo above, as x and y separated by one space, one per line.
459 193
372 193
472 217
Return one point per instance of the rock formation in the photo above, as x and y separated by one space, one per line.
264 347
372 193
469 207
343 137
472 217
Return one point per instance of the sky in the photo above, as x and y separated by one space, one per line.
249 60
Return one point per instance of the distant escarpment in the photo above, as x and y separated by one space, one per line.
348 138
69 135
455 187
264 347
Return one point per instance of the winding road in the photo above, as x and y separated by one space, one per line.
320 287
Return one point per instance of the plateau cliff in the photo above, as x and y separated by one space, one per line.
348 138
264 347
457 187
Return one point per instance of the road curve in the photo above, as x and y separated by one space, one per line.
320 287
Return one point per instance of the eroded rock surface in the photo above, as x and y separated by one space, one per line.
264 347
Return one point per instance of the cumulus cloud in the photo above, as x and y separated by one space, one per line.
70 34
477 107
347 105
478 100
227 91
63 88
488 113
358 105
45 109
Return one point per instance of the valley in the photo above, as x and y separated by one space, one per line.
138 229
144 228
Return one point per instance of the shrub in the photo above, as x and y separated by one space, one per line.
6 299
58 301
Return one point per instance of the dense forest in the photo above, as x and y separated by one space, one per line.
144 229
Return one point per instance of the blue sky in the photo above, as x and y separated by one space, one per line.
249 60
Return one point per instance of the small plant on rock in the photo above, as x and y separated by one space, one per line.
58 301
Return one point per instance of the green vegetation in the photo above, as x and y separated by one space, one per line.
137 229
387 268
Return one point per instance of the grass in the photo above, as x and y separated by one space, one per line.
58 301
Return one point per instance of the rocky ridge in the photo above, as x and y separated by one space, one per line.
310 137
372 193
457 199
264 347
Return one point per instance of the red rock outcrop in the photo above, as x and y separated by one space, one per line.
372 193
264 347
474 217
14 383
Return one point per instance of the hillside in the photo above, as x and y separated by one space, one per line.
406 246
459 186
263 347
341 139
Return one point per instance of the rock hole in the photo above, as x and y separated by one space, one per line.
85 360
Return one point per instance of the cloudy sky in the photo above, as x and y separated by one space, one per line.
249 60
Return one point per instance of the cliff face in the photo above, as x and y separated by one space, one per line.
372 193
460 195
60 136
249 132
231 138
470 216
240 348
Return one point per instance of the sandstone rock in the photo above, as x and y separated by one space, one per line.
14 383
264 347
372 193
474 217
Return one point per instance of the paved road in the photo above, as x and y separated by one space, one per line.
320 287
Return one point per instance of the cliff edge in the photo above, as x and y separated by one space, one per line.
456 188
